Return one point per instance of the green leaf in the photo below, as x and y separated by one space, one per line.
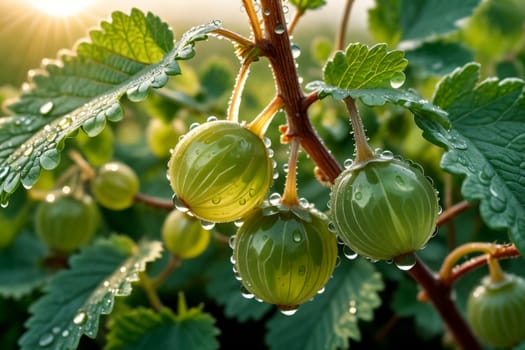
77 297
303 5
332 317
146 329
21 270
439 57
363 67
485 144
127 56
226 291
405 304
378 97
394 21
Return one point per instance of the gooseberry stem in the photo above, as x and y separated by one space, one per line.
151 292
363 151
452 211
496 273
240 82
254 19
295 20
260 123
154 202
164 274
233 36
468 248
290 189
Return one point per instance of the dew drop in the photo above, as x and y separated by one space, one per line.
3 172
211 118
275 198
55 330
397 80
216 200
297 236
46 340
246 293
358 196
279 29
321 291
46 107
194 125
4 204
340 240
352 310
405 262
207 225
106 284
348 163
65 333
233 261
179 204
296 50
387 155
349 253
242 201
123 269
288 311
80 318
252 192
484 178
267 142
217 22
231 241
303 202
266 12
238 223
28 151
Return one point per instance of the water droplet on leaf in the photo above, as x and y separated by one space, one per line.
397 80
46 340
80 318
46 107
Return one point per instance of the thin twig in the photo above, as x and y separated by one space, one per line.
154 202
344 23
453 211
295 20
168 269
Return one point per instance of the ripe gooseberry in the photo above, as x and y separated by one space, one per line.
184 236
384 209
161 137
285 255
115 186
496 311
66 221
220 171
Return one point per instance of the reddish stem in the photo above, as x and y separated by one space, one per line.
276 47
154 202
439 294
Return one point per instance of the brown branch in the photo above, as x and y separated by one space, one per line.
439 294
276 47
453 211
507 251
154 202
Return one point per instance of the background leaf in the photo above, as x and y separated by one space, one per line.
332 317
485 144
21 268
77 297
128 56
146 329
303 5
395 21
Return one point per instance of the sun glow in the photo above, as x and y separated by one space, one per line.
60 8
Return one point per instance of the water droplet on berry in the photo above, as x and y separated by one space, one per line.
405 262
321 291
349 253
179 204
216 200
297 236
207 225
246 293
242 201
231 241
288 312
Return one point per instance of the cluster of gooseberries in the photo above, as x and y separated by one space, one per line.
285 250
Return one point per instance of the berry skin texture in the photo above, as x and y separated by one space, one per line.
115 186
220 171
284 255
66 222
184 236
496 311
384 209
